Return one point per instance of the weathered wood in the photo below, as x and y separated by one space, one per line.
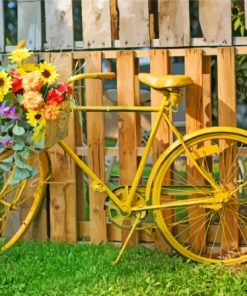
96 23
215 21
114 19
206 92
30 29
60 34
2 41
127 122
194 121
133 23
174 23
160 65
227 117
63 220
96 157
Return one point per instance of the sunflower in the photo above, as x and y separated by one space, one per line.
25 68
36 118
19 54
5 84
48 72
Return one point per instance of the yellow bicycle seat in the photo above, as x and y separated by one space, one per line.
165 81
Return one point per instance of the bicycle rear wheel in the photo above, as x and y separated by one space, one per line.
19 203
217 231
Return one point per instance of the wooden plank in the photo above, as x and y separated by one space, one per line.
114 19
30 29
133 23
63 220
96 23
206 101
2 39
227 117
60 35
194 121
96 157
160 65
128 138
215 21
174 25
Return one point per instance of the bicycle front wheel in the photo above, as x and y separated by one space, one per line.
208 232
19 203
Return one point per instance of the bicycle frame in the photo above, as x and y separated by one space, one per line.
98 185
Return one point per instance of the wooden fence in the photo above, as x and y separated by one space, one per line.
67 201
99 24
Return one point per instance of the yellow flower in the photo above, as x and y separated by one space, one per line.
32 81
19 54
39 133
5 84
25 68
35 118
32 100
48 72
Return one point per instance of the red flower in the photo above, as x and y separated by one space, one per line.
17 81
16 85
65 88
54 96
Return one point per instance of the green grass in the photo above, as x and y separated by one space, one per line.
83 269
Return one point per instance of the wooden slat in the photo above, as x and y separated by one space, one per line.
128 138
194 121
96 157
63 220
174 23
227 117
2 41
215 21
60 34
206 101
133 23
96 23
160 65
30 29
114 19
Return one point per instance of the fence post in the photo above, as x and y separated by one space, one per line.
96 153
63 220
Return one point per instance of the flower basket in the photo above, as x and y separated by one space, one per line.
34 110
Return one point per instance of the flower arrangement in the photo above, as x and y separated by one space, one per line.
31 99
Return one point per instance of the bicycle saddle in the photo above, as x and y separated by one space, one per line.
165 81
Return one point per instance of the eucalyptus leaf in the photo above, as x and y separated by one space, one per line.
21 164
18 130
19 174
5 167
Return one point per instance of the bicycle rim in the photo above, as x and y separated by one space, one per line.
211 233
19 203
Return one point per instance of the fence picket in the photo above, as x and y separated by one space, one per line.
96 21
30 29
133 23
2 41
174 23
215 21
59 25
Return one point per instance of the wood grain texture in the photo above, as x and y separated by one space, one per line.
30 29
59 25
215 21
128 137
160 65
133 23
96 156
63 220
2 41
174 23
96 23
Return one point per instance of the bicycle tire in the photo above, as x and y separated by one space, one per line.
211 233
19 203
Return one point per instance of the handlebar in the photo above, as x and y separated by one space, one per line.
97 75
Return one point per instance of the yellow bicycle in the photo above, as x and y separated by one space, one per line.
196 192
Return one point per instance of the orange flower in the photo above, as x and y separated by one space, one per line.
32 100
52 110
32 81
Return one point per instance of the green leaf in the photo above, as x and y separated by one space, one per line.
5 167
242 30
18 130
20 174
21 164
237 24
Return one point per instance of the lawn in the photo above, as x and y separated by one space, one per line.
33 268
